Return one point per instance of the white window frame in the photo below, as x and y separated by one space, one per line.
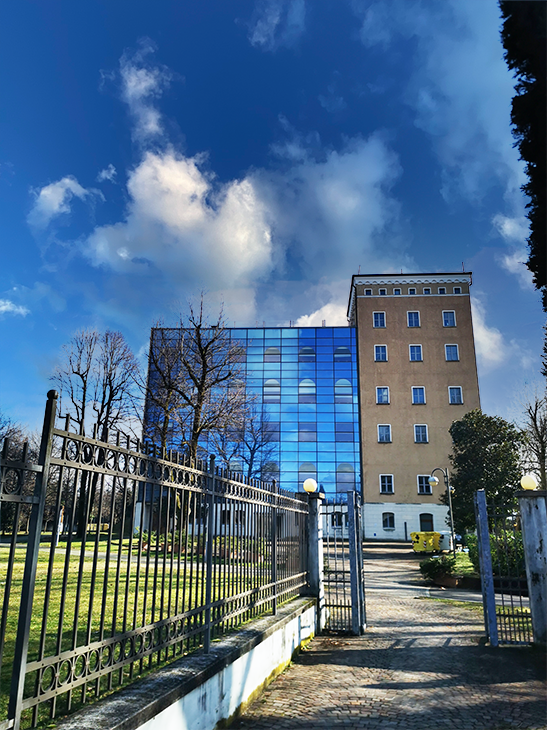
416 344
384 425
368 292
457 290
412 291
375 359
452 344
412 395
449 311
378 326
414 326
392 515
427 290
450 401
382 403
382 292
421 425
396 292
392 483
427 477
441 290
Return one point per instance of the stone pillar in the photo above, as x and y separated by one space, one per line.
315 557
533 517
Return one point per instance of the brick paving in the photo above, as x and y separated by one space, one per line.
419 666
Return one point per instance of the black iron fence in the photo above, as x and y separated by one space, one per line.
134 556
343 564
498 553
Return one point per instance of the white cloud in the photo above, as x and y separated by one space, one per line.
54 199
512 229
141 84
8 307
109 173
460 88
277 23
515 263
492 351
334 315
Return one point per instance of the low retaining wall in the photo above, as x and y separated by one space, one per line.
205 691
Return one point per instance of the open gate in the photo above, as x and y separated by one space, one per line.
343 564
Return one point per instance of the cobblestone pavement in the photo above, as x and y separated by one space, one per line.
419 666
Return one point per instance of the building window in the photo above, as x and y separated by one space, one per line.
384 433
415 353
426 522
342 391
442 290
368 292
413 319
383 292
345 478
272 391
457 290
420 434
380 353
455 397
307 432
412 291
337 519
306 391
379 319
424 487
386 483
382 395
272 431
342 354
397 292
306 354
451 352
418 395
344 432
449 319
388 520
427 290
272 354
307 470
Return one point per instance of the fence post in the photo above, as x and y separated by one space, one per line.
209 556
315 557
274 547
485 563
533 519
354 540
31 562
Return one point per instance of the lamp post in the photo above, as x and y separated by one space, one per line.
528 482
310 485
433 481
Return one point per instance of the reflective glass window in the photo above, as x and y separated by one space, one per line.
272 391
272 354
306 391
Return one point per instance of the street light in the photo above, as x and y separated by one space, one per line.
310 485
433 481
528 481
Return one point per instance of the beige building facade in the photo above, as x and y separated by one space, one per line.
417 374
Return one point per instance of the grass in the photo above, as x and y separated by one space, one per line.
75 617
464 566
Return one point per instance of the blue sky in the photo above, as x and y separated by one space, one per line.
262 151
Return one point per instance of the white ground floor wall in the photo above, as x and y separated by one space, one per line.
406 519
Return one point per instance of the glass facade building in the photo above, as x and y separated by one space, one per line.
305 379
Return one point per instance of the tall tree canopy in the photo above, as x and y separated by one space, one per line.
486 454
523 36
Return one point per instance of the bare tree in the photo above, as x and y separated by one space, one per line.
535 430
98 374
195 384
258 444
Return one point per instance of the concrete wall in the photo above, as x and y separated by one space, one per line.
409 513
203 690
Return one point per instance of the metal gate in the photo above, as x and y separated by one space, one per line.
500 550
343 564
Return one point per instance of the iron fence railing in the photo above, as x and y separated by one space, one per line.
138 556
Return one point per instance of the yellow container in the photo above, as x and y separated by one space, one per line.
425 542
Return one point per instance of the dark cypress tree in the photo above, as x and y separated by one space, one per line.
523 35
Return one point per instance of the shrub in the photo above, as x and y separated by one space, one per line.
507 554
435 567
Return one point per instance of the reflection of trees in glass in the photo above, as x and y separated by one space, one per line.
306 470
306 391
345 477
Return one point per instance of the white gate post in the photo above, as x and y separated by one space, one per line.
533 518
315 557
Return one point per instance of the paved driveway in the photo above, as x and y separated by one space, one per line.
419 666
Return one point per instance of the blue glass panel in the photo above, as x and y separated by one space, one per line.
325 407
276 333
256 334
238 334
324 332
340 332
290 367
289 333
254 358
